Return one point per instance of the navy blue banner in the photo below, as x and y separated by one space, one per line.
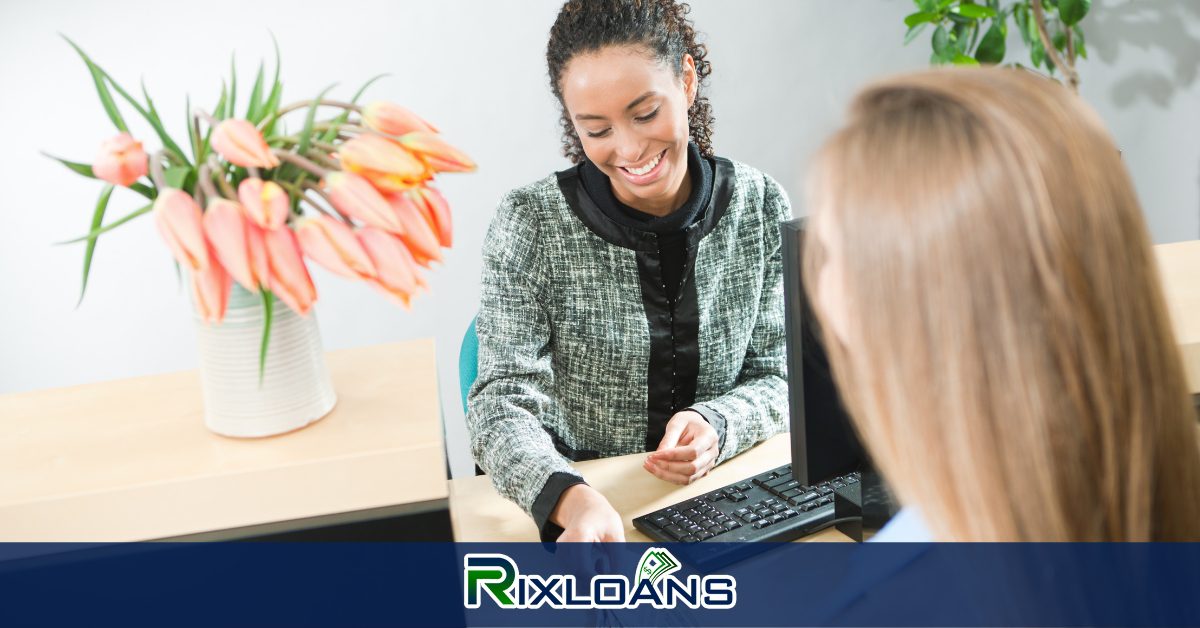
428 584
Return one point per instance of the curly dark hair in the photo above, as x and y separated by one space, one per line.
659 26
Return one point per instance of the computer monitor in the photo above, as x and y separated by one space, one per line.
824 444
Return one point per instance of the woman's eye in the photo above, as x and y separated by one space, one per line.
648 117
598 133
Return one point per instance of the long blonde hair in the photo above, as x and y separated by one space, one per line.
1009 360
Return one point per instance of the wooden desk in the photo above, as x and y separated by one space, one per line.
1179 264
131 459
480 514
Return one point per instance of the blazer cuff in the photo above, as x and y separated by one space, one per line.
546 500
715 419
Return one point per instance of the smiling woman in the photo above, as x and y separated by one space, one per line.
634 301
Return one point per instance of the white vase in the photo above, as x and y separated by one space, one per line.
296 389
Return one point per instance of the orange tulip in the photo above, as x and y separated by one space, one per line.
121 160
210 290
264 201
396 269
393 119
178 219
241 144
289 277
437 153
238 243
434 205
383 162
332 244
419 232
357 198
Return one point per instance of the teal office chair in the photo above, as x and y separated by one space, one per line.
468 362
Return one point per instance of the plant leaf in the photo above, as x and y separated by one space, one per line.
97 220
176 176
306 133
86 170
992 47
156 122
1072 11
914 32
268 304
106 99
232 85
272 104
920 17
961 59
110 226
927 6
255 97
1080 46
974 11
941 42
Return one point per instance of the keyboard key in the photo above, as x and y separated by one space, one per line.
787 486
851 479
689 539
716 497
838 484
776 518
742 487
715 529
692 529
659 520
705 535
792 492
741 511
750 518
789 513
805 497
738 497
761 523
730 525
675 531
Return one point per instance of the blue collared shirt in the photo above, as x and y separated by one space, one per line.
906 527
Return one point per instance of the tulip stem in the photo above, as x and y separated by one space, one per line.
322 194
299 161
303 104
156 170
253 172
321 159
226 189
204 182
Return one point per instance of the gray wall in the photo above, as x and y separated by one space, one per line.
783 72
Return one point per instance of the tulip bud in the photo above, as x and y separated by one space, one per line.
434 205
396 271
289 277
418 233
238 243
355 197
210 291
332 244
178 219
264 201
393 119
241 144
440 156
121 160
383 162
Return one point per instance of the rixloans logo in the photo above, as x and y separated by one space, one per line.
654 583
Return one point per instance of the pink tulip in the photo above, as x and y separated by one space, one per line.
434 205
383 162
238 243
437 153
121 160
393 119
418 232
265 202
332 244
210 291
241 144
396 270
289 277
357 198
178 219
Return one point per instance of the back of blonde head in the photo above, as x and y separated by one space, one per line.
1010 363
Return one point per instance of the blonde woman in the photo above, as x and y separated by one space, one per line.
981 267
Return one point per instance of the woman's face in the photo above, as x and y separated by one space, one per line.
631 115
831 293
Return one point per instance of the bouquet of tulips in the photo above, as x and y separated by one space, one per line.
249 202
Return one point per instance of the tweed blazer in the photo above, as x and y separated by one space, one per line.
581 351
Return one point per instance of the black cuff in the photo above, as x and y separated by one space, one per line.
547 500
715 419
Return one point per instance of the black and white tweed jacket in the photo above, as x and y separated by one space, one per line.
580 347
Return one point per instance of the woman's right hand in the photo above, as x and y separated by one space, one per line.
586 516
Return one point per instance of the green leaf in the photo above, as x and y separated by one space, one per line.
268 300
306 133
86 170
974 11
110 226
961 59
1080 46
1072 11
106 98
272 104
913 19
941 42
255 97
232 86
193 136
97 220
176 176
914 32
927 6
992 47
152 114
1021 17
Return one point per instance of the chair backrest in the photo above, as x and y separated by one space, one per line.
468 362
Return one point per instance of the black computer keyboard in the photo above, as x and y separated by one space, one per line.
771 506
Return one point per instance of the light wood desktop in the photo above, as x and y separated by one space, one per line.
480 514
1179 265
131 460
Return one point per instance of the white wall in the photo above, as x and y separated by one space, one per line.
783 71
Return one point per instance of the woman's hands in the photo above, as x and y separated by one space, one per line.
688 450
586 516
